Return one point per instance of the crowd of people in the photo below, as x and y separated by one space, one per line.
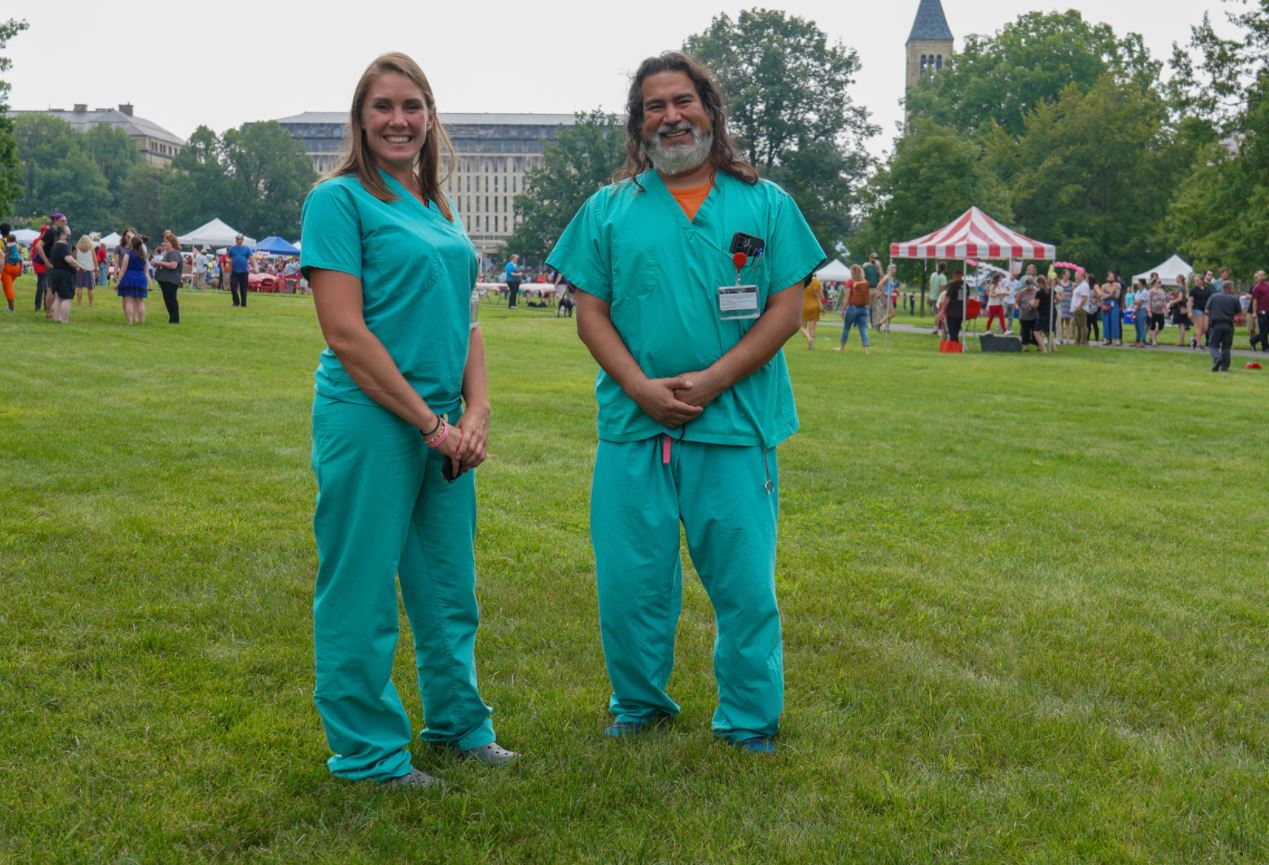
66 270
1065 306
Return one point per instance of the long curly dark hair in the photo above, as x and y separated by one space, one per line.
722 153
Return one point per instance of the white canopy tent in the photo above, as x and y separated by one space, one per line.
834 271
111 240
26 236
214 233
1168 271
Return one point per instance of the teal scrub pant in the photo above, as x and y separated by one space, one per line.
383 510
719 495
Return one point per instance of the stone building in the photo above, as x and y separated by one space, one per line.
493 151
157 145
929 44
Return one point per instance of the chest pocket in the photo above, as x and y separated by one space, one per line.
636 270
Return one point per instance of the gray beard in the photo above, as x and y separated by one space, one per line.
682 158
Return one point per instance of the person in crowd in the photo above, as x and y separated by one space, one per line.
1196 310
1177 303
43 251
65 267
1062 297
239 256
953 306
1157 300
513 275
133 283
811 310
87 259
693 397
1259 313
1043 303
198 275
400 420
1081 305
10 262
996 292
121 251
1112 298
938 281
1139 302
888 289
167 273
1094 310
102 258
854 303
1222 309
1027 310
872 273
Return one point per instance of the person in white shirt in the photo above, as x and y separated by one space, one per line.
200 268
1081 303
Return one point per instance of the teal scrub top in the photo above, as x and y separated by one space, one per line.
417 270
660 272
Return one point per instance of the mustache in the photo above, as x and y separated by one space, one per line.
671 128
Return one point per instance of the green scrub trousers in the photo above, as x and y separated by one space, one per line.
718 493
383 510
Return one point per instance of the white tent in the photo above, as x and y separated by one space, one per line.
214 233
25 236
111 240
834 271
1168 271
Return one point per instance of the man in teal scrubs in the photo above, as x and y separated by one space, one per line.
689 272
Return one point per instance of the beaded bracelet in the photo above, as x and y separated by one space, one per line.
436 442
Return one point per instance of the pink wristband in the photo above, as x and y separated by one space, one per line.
436 442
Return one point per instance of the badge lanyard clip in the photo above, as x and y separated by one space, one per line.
740 260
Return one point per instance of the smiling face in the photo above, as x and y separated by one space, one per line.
677 133
395 121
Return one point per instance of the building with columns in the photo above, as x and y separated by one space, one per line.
493 152
929 44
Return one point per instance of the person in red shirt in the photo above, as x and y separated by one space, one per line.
1260 311
41 272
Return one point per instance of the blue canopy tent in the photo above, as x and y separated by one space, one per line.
274 245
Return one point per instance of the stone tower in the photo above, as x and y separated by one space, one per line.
930 42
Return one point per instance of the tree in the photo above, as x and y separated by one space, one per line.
1029 61
1218 87
269 174
581 160
933 176
1092 172
788 103
8 141
141 197
114 154
255 178
57 174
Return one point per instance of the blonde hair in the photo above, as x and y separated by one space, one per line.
360 160
856 272
85 243
171 238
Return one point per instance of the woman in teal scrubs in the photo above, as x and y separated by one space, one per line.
400 420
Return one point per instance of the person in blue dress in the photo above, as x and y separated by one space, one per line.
134 278
400 422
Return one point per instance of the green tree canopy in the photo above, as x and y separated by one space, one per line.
1005 76
8 140
142 198
1215 78
57 174
788 92
114 153
580 161
254 178
1092 173
933 176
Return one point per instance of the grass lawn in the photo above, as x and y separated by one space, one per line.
1025 599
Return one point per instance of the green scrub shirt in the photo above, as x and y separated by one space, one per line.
660 272
416 290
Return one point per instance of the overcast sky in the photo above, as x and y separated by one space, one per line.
226 63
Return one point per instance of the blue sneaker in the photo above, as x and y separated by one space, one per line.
622 729
757 745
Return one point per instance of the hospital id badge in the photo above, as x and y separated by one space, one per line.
737 302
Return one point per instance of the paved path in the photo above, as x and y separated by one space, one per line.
971 335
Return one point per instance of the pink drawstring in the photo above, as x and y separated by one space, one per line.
665 450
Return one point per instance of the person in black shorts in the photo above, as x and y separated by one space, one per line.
1043 324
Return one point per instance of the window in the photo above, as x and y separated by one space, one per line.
938 61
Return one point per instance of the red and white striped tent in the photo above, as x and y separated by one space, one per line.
974 234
